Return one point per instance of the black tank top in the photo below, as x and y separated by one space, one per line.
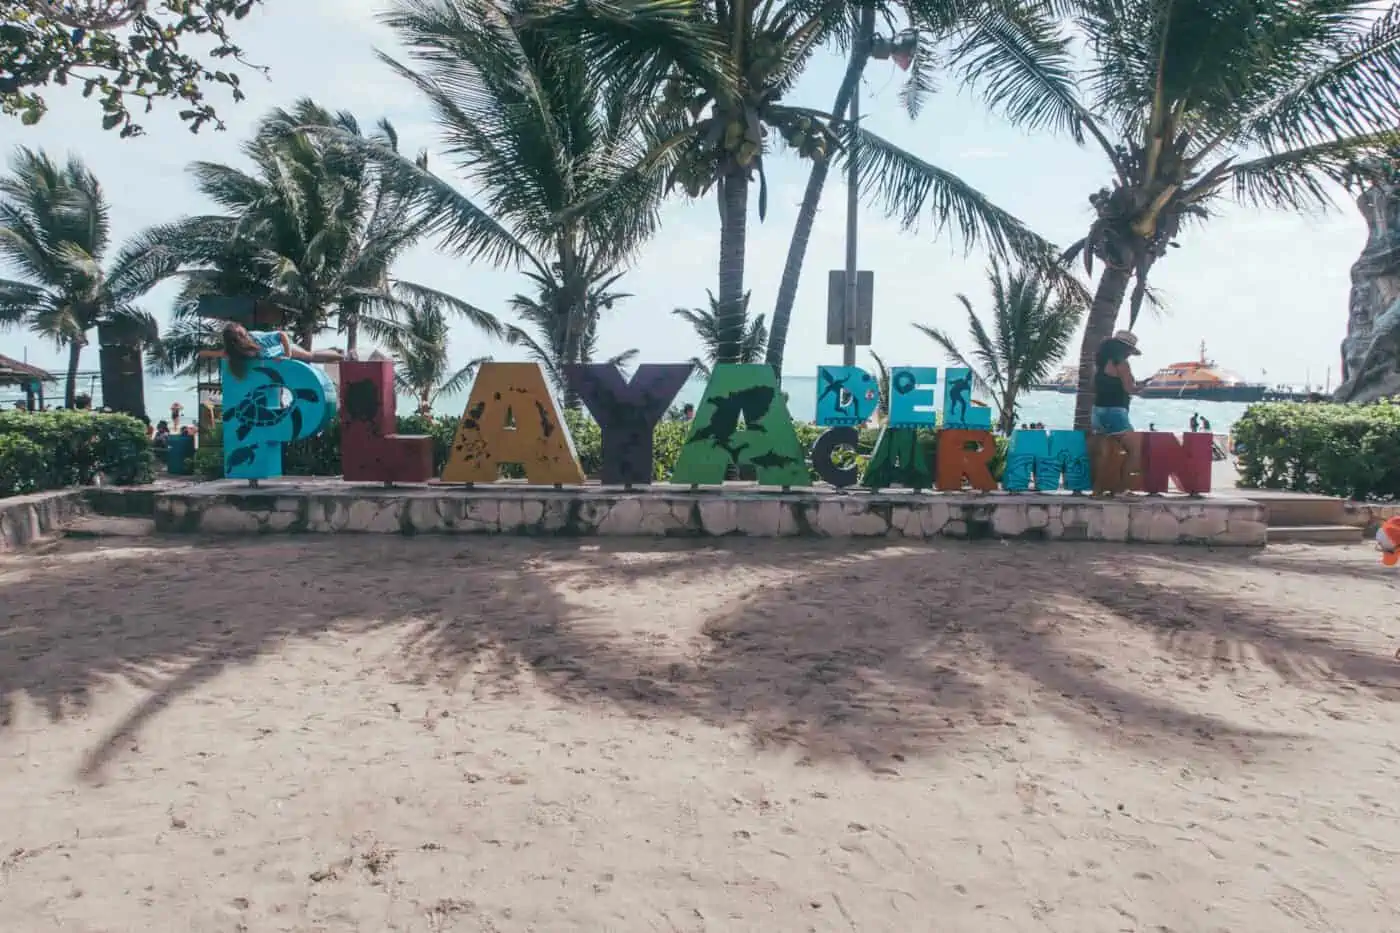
1108 390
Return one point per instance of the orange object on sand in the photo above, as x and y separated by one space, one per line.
1388 539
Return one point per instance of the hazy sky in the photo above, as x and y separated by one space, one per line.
1265 290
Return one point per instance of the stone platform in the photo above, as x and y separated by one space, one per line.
25 520
321 506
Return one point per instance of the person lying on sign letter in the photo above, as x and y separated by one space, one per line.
1114 384
242 345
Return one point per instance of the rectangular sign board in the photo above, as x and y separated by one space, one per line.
836 304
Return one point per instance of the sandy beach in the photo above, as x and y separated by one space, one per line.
370 734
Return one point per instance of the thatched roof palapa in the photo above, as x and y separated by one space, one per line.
13 372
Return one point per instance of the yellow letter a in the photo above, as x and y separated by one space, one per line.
537 440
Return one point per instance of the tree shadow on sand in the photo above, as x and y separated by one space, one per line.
1203 612
877 652
168 616
1343 566
835 649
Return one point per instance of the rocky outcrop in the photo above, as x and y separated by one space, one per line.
1371 350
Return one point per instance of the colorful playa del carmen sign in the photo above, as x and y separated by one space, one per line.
742 420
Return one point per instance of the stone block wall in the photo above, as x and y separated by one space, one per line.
1369 516
329 507
26 519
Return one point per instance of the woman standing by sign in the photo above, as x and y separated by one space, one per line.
1114 384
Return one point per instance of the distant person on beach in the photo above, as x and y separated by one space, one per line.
1114 384
688 412
1195 422
1205 425
242 345
162 436
82 402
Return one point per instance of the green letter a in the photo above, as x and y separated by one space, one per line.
766 441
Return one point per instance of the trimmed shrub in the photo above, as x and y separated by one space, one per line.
1337 450
208 462
76 446
21 465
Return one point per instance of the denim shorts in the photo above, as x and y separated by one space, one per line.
1110 421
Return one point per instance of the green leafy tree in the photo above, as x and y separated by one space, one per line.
1031 330
54 235
724 70
707 322
315 228
1192 102
537 135
123 52
421 358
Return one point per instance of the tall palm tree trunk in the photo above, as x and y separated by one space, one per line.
811 200
1007 422
70 388
1103 316
733 227
352 334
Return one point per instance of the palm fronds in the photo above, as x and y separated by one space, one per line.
1031 329
708 324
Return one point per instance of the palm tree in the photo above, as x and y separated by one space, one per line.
315 228
54 232
974 24
537 135
882 379
707 321
420 349
1032 327
723 68
565 326
1193 101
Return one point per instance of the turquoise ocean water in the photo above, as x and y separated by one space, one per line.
1054 409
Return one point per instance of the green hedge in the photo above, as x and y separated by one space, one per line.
58 449
1337 450
320 455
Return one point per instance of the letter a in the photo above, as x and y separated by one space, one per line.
766 440
537 440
